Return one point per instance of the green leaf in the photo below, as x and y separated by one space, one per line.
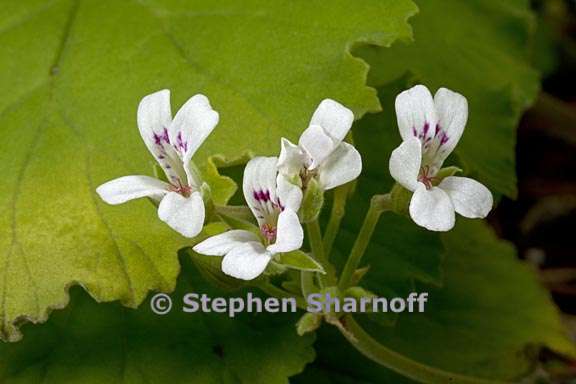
299 260
222 188
480 49
91 343
489 319
72 73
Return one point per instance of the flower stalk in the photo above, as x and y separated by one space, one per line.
403 365
378 205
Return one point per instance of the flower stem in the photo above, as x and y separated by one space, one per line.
403 365
378 204
336 215
272 290
317 246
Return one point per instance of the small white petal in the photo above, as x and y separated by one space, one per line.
260 178
416 113
343 165
452 110
126 188
223 243
154 114
334 118
405 162
246 261
154 120
317 144
470 198
289 233
290 194
432 209
192 124
291 159
183 214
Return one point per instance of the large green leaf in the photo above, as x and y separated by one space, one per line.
91 343
488 320
480 49
72 73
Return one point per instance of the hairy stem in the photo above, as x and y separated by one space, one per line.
272 290
378 204
403 365
336 215
317 246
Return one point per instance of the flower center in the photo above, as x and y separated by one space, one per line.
184 190
306 175
269 233
426 177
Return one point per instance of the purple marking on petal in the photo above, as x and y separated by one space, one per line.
426 128
414 132
437 129
443 138
256 195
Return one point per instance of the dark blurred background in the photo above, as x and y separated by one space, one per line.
542 220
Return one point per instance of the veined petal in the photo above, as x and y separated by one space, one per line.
343 165
470 198
432 209
291 159
223 243
246 261
289 233
126 188
405 162
416 113
289 194
183 214
452 110
334 118
192 124
259 185
154 119
317 144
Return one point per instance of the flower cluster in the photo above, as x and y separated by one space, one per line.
274 187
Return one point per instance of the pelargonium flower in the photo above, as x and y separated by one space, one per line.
172 143
320 152
430 129
246 254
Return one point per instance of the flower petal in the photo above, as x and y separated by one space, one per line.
246 261
432 209
334 118
259 185
192 124
317 144
470 198
223 243
416 113
343 165
183 214
289 233
126 188
405 162
289 194
154 119
291 159
452 109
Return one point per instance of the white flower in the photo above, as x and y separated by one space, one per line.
430 129
246 255
173 143
320 152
